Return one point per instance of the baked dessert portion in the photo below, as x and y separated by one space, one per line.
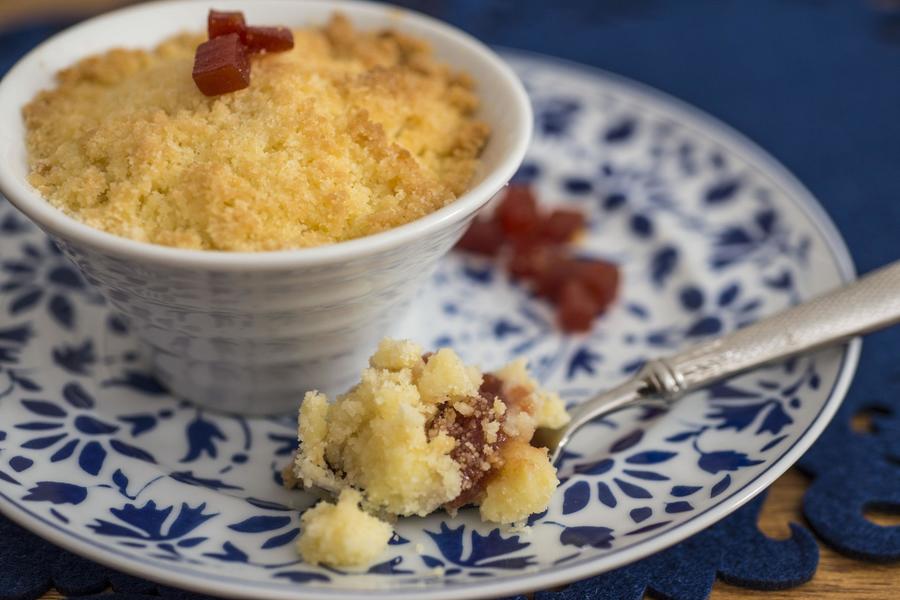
423 432
342 534
346 134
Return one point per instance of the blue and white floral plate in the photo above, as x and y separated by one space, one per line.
711 234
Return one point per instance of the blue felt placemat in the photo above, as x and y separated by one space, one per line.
816 83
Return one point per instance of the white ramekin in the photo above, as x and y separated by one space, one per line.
250 332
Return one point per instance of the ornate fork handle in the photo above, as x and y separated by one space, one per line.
868 304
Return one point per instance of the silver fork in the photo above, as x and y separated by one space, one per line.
866 305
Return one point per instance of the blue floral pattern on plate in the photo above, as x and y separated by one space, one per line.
710 235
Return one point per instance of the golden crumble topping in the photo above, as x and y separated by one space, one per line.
342 534
348 134
425 431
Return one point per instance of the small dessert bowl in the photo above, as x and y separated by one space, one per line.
250 332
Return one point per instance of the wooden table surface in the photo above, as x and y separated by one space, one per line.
838 577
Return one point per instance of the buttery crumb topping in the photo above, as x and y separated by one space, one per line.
348 134
425 432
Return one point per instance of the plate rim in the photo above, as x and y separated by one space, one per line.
802 198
